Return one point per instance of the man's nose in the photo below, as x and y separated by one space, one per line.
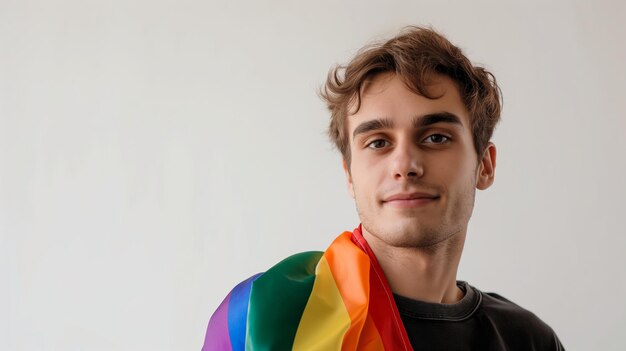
407 162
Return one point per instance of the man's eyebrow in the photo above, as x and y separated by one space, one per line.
374 124
439 117
418 122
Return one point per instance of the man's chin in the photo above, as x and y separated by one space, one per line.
398 232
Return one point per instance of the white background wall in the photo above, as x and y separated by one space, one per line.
155 153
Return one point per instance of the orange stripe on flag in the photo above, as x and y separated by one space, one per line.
350 268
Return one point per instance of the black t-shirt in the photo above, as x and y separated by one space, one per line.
480 321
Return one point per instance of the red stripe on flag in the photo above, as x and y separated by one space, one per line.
382 306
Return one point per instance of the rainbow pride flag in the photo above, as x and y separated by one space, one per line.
333 300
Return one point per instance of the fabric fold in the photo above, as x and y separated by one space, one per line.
333 300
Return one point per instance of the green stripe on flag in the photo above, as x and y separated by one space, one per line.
277 301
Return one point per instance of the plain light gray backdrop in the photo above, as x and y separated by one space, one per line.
155 153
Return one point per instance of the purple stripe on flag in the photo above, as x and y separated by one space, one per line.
217 338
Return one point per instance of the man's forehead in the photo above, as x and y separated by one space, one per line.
435 84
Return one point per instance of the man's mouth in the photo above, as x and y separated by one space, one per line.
410 200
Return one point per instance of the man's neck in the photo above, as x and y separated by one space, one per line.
425 274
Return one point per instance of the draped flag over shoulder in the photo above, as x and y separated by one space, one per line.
335 300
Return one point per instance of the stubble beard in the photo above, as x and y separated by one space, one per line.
410 232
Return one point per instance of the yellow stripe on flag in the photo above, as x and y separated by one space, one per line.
325 318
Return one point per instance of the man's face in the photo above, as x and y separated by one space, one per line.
414 169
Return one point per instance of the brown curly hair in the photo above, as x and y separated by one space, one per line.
414 55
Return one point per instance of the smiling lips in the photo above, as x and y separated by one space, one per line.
410 200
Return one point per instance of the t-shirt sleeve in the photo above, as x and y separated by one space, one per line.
519 327
558 346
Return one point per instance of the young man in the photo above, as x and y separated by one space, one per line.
412 118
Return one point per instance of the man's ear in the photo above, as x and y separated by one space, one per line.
487 168
346 169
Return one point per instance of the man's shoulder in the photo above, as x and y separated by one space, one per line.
514 320
292 273
496 305
250 310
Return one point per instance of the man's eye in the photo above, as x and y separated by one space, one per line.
436 139
378 144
